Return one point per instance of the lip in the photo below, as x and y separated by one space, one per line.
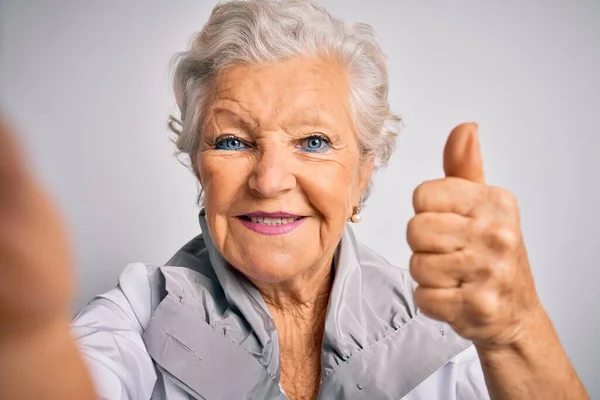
270 230
277 214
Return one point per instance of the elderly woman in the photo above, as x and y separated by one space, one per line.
285 117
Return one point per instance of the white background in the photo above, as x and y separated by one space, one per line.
87 85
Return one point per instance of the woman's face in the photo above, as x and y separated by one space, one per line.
280 166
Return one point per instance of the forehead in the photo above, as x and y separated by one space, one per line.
289 91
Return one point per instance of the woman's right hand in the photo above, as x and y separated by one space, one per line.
38 357
36 282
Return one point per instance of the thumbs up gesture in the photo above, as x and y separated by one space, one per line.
469 258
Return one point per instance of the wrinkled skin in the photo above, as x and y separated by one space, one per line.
272 112
468 252
469 257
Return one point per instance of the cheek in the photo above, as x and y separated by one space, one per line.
223 180
330 186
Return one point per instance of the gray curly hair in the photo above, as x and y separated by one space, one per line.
259 31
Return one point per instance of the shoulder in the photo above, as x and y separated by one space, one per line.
141 287
139 290
109 329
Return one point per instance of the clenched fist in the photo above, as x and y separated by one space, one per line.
35 267
469 258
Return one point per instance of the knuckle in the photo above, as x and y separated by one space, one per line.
413 231
413 263
467 256
496 235
479 227
504 199
486 306
503 237
503 274
459 258
481 269
485 268
509 200
426 220
420 195
484 273
419 232
494 273
417 268
419 297
423 302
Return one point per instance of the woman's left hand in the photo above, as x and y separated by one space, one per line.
469 258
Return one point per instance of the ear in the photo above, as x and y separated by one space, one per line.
365 171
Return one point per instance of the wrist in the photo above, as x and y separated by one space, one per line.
532 365
533 330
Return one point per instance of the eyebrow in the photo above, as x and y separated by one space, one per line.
304 119
311 119
234 111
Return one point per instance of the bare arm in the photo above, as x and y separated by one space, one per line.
533 367
471 264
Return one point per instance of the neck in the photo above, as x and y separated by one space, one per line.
303 297
299 307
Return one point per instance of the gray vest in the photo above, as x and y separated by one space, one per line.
213 335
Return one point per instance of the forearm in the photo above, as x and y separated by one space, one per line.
536 367
45 364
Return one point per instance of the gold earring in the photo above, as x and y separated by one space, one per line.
355 218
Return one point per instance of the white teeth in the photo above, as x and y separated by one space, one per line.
272 221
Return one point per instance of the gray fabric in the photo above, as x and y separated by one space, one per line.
394 365
194 354
213 334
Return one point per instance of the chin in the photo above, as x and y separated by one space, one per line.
270 268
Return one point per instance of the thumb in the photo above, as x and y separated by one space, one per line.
462 155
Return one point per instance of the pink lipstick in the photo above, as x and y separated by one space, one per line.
275 223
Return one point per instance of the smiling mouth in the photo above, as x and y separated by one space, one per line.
272 221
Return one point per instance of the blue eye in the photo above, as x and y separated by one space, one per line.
315 143
230 143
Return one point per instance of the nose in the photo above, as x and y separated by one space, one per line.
271 176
